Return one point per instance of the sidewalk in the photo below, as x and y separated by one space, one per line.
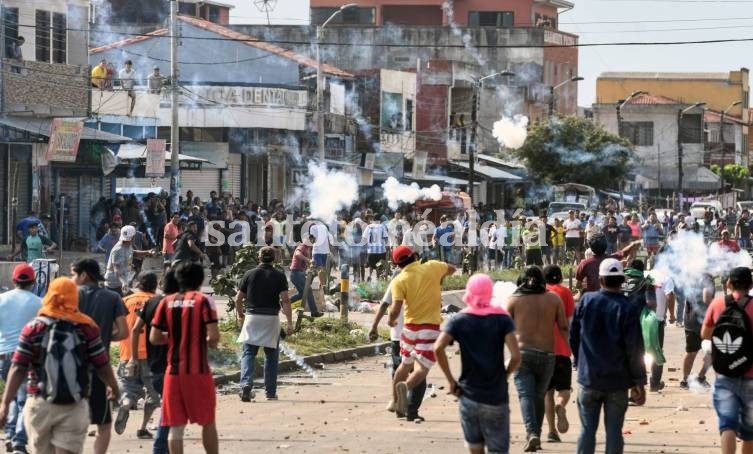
343 411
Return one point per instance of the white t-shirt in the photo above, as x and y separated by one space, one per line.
574 224
664 286
127 78
499 236
397 330
321 239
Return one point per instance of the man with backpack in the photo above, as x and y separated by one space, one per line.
56 412
17 307
107 310
728 326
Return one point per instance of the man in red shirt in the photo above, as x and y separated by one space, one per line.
562 377
727 244
587 274
732 395
187 322
170 234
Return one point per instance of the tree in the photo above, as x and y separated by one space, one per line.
734 174
576 150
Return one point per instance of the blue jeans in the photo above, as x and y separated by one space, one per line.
271 359
615 405
15 431
160 440
298 278
532 380
733 402
485 425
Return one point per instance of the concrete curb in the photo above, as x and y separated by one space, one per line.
322 358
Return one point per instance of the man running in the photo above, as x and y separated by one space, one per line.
696 304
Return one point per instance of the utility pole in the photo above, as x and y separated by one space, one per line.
319 98
680 172
472 145
721 139
658 166
553 88
174 126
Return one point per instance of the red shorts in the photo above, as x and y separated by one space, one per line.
188 398
417 344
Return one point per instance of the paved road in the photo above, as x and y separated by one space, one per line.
343 411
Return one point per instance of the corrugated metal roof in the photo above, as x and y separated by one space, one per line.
233 35
716 117
490 172
663 75
41 126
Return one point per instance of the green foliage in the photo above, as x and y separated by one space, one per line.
572 149
733 173
226 283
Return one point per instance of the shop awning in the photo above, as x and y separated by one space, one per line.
441 180
488 172
137 151
41 126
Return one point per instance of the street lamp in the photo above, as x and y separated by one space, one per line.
620 104
552 88
680 114
319 107
721 139
474 125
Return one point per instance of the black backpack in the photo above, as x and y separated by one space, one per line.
732 340
64 377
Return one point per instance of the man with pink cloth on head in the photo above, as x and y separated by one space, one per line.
482 330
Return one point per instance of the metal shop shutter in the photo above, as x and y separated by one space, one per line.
201 182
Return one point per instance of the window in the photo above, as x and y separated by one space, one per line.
10 21
188 9
691 129
43 35
504 19
350 16
213 14
408 115
639 133
59 38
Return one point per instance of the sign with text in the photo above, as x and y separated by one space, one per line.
155 157
65 136
248 96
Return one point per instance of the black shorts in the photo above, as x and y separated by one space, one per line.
100 411
692 341
373 259
573 244
562 377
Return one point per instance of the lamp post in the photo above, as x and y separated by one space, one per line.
474 125
680 114
721 139
552 89
319 103
620 105
174 117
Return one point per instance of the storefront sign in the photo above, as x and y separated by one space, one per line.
65 136
249 96
155 157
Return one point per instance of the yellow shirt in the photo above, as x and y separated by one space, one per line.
99 74
419 286
558 239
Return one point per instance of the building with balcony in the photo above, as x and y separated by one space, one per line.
245 106
150 13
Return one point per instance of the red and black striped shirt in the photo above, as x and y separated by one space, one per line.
184 317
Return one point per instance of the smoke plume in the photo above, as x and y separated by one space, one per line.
511 132
329 191
396 192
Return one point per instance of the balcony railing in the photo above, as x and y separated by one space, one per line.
559 38
44 89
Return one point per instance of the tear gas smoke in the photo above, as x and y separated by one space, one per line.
502 292
396 192
329 191
511 132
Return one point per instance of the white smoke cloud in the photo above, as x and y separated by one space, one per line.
329 191
396 192
511 132
502 292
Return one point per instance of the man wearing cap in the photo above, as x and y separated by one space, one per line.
107 309
418 287
607 343
483 331
17 307
118 270
262 293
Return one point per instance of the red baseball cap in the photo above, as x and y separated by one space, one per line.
400 253
23 273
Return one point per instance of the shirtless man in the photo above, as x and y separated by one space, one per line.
534 309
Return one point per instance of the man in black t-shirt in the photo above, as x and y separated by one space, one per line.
625 234
742 230
696 303
612 234
188 249
262 292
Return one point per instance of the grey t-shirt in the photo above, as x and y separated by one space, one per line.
102 305
122 257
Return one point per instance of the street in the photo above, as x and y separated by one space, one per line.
344 412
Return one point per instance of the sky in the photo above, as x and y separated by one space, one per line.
611 21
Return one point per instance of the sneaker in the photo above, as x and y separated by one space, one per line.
562 424
247 393
143 434
415 418
20 449
702 381
271 397
8 446
656 388
553 438
684 384
392 406
402 398
121 419
532 444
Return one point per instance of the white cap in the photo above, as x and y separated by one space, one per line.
611 267
127 233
